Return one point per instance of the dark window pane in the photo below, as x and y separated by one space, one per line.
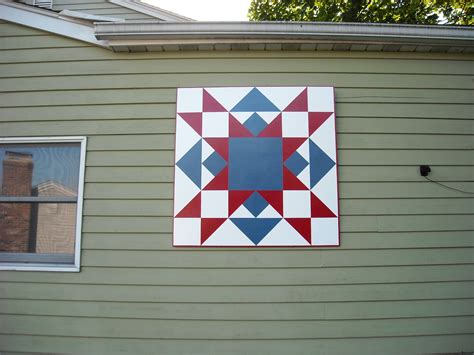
37 227
39 169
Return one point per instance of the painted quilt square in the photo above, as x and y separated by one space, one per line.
256 167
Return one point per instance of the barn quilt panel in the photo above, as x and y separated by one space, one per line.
255 167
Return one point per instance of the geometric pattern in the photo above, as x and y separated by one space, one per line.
256 167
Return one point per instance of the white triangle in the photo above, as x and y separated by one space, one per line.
283 234
206 176
186 137
185 190
269 212
229 97
281 96
207 150
242 212
304 176
303 150
326 190
268 116
324 137
228 235
242 116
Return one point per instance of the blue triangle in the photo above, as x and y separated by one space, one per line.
320 163
296 163
255 228
255 101
190 163
215 163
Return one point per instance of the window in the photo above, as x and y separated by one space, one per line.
41 188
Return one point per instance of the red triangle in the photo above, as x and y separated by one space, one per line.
290 145
302 226
220 181
273 129
221 146
194 119
236 129
274 198
300 103
291 182
210 104
236 198
319 209
209 226
192 209
316 119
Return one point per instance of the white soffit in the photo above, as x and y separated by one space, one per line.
49 21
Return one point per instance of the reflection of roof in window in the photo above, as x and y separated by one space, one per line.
53 188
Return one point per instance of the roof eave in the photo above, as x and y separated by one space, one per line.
142 33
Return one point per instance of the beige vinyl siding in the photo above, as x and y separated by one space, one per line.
401 282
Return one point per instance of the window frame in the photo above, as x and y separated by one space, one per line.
65 267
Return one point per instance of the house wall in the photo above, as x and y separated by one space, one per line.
399 283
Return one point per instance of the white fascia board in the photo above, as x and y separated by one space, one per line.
287 31
152 11
49 21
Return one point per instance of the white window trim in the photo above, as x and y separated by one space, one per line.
80 199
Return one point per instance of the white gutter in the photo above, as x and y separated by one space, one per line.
49 21
303 32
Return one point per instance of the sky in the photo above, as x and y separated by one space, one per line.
206 10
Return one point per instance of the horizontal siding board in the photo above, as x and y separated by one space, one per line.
177 329
13 30
302 258
154 208
121 96
350 240
193 276
224 65
35 41
394 345
229 65
229 294
196 311
346 173
140 81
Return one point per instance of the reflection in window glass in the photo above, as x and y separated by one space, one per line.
38 198
26 167
37 227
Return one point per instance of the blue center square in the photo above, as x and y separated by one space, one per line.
255 164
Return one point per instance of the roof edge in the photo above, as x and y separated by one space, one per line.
287 31
151 10
50 21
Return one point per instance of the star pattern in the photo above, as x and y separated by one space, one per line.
256 166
